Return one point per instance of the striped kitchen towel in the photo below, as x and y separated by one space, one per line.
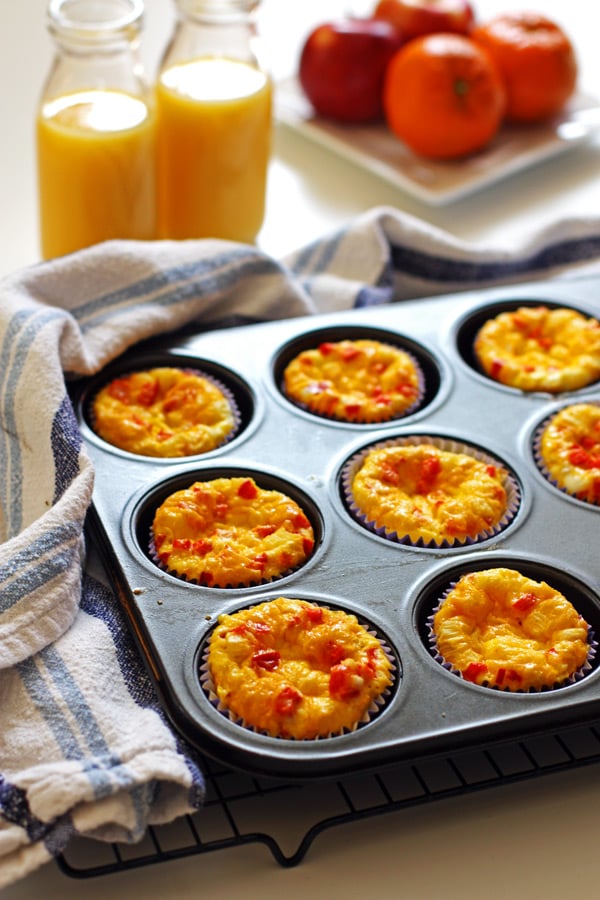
84 747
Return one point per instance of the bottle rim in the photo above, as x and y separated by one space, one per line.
94 20
217 8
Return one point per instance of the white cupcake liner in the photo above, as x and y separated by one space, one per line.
511 486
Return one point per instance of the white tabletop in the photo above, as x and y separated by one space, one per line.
532 840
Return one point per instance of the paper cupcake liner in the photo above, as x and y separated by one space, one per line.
511 486
181 576
576 676
407 411
235 411
541 465
375 708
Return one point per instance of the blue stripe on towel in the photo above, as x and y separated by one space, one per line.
15 809
106 772
20 335
52 555
76 732
98 601
66 445
419 264
177 285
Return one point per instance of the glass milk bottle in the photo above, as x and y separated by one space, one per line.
214 119
95 129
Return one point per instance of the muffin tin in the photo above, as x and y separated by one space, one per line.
392 587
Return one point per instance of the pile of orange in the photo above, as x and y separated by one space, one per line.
447 95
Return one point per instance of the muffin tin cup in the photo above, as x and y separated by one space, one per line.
449 444
238 394
467 327
576 676
376 707
428 370
541 464
392 586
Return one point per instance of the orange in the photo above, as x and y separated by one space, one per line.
443 96
536 61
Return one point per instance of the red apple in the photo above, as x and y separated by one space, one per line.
342 67
416 17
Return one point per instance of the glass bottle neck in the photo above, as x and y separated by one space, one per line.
215 28
95 26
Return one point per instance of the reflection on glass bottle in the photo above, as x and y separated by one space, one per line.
95 129
213 103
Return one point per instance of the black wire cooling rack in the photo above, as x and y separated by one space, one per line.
242 809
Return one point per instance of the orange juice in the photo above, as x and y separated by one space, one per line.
213 148
95 170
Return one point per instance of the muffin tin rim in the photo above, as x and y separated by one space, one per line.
238 468
190 661
142 359
526 445
489 560
336 467
355 330
506 304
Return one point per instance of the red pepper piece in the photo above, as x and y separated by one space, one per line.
259 561
580 457
202 546
182 544
148 392
266 659
513 675
368 669
259 627
247 490
265 530
474 670
342 682
496 368
300 521
388 474
314 614
429 469
525 602
307 545
334 653
287 701
352 409
119 389
349 353
500 676
326 348
492 471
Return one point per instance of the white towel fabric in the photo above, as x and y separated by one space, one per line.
84 748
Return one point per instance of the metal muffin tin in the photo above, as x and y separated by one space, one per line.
390 586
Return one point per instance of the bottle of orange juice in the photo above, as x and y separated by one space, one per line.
95 129
214 119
